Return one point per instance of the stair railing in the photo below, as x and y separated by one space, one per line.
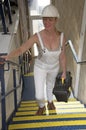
14 90
69 42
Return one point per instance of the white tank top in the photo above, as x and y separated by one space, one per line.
48 59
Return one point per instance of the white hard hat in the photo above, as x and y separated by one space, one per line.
50 11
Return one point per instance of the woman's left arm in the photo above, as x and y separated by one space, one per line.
63 59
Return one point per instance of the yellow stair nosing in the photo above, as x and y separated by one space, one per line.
57 116
47 124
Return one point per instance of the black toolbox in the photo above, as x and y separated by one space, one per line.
62 91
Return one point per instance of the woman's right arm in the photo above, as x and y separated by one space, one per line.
24 47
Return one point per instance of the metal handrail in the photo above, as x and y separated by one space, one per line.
8 93
3 94
74 53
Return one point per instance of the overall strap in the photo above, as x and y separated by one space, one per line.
61 40
41 42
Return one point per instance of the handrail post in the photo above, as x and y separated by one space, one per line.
3 105
5 29
7 3
15 91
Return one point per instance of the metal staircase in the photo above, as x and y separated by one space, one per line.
67 116
70 115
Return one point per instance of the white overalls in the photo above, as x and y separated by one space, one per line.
46 68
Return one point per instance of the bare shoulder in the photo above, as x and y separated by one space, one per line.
36 39
64 38
42 32
33 39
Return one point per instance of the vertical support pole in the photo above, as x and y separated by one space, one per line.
7 3
15 91
3 105
3 18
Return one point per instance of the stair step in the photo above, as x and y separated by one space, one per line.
47 124
44 117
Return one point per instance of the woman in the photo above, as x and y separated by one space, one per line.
51 45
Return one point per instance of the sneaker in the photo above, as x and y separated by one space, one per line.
40 111
51 106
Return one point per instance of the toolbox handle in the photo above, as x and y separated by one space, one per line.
62 80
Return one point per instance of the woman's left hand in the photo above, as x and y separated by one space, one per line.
63 75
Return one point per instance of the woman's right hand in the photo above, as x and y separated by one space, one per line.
5 57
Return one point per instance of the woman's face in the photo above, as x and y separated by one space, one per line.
49 22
